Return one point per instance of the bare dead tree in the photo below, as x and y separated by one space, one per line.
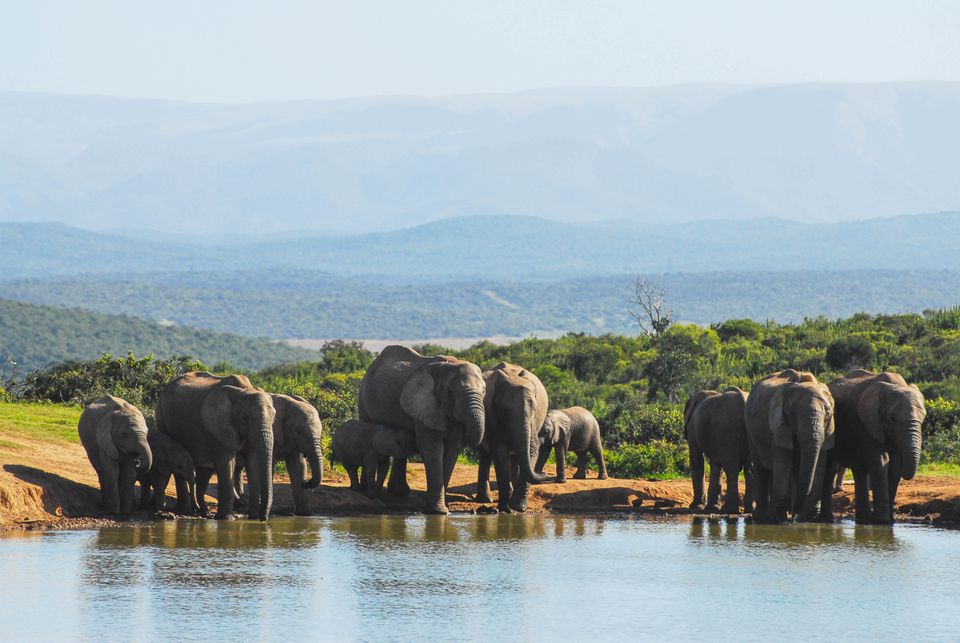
649 307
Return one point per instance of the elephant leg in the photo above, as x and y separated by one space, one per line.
224 467
780 493
696 476
861 496
731 501
502 466
809 502
519 494
146 497
184 497
160 481
125 485
581 472
878 467
542 455
355 483
256 486
295 469
749 488
483 475
561 454
371 465
597 452
713 488
430 443
398 478
826 487
109 475
383 468
893 480
203 480
451 451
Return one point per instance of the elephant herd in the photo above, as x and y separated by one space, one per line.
789 436
409 404
792 434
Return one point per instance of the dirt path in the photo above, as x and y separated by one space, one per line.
53 485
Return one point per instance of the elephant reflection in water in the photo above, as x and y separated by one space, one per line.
712 530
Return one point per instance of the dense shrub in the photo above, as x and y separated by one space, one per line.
657 459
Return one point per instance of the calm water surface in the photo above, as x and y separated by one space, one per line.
472 577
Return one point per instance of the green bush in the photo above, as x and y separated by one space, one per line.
657 459
941 432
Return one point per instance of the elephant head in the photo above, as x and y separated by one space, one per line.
801 417
297 427
555 429
238 417
123 434
691 406
447 392
892 413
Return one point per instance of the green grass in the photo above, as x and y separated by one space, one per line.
47 422
940 469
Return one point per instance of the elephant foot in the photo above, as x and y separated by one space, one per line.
301 512
505 509
602 476
695 506
519 505
437 508
312 483
220 516
561 479
399 491
483 496
580 475
712 508
730 508
883 519
825 517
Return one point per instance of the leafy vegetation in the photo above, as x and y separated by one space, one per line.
634 385
33 336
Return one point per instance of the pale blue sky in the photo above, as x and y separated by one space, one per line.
247 51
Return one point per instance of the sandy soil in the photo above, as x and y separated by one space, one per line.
44 485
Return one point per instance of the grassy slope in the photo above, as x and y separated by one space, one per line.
46 422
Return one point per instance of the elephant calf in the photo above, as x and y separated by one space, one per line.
169 458
714 425
573 429
114 434
370 446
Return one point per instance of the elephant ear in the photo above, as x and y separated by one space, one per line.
280 419
870 410
105 441
419 400
217 416
561 429
778 420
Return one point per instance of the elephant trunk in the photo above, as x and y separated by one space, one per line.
909 446
809 454
315 460
527 452
144 455
263 450
475 422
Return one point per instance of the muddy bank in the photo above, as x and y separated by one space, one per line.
44 485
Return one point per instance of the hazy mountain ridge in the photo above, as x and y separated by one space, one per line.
504 247
814 152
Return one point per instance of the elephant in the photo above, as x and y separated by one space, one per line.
573 429
714 426
439 399
297 434
169 457
361 444
790 427
516 406
213 417
114 435
878 438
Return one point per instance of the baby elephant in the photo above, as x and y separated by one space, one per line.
169 457
114 435
361 444
714 426
574 429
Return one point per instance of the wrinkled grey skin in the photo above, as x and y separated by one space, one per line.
213 418
114 434
439 399
370 446
878 420
297 435
715 429
790 427
169 458
516 406
573 429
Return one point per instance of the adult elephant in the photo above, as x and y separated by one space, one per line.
297 435
790 426
213 418
714 426
516 406
439 398
114 435
879 417
574 429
